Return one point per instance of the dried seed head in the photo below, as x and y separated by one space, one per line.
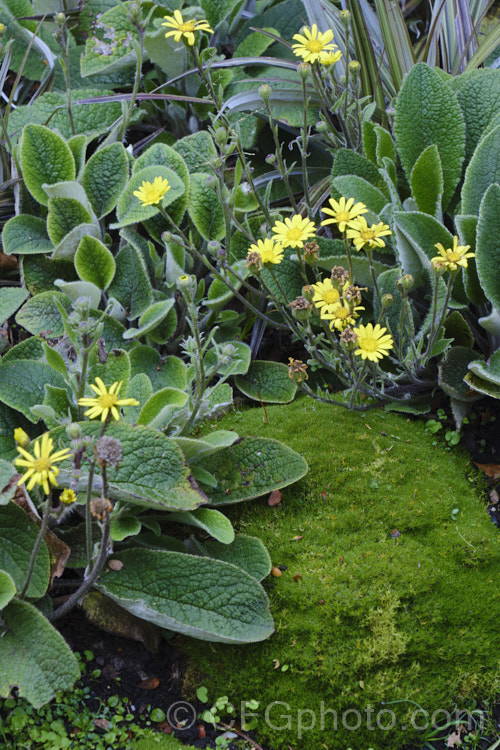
340 274
100 508
108 450
297 370
348 335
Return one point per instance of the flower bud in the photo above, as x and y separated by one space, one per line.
21 437
405 283
265 92
213 247
345 18
321 126
354 67
387 300
2 29
308 292
86 441
186 285
220 136
74 431
271 159
60 19
303 69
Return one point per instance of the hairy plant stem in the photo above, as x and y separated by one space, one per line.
303 149
435 327
36 548
137 81
282 168
88 498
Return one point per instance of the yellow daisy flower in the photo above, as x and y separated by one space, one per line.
373 342
294 232
343 211
326 295
268 250
342 315
361 234
311 44
106 401
182 28
151 193
453 257
40 466
67 497
330 58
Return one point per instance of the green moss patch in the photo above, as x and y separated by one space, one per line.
384 595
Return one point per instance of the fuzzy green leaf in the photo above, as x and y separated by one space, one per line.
64 215
131 211
488 245
267 381
197 448
11 299
251 467
452 370
67 248
489 371
7 487
427 113
18 534
124 526
165 156
197 150
352 186
22 384
40 314
140 388
483 171
426 181
150 319
34 655
160 407
152 472
235 358
478 93
422 232
131 285
196 596
110 48
246 552
215 11
116 369
212 521
7 589
45 158
94 262
26 235
104 178
204 207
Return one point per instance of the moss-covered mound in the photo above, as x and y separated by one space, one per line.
385 595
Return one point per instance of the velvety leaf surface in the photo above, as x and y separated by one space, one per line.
453 368
483 171
7 589
250 468
94 262
45 157
246 552
11 299
160 407
131 285
212 521
130 210
197 150
34 655
22 384
18 534
267 381
478 93
105 176
152 471
427 113
41 315
204 207
26 235
150 319
352 186
64 215
488 245
196 596
427 181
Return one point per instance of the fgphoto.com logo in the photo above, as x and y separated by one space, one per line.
280 716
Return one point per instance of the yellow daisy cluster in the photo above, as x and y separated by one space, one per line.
316 46
450 259
293 232
335 304
347 215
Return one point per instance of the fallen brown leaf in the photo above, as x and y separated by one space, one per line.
274 498
150 684
491 470
101 724
454 739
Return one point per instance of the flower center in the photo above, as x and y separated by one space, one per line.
294 234
331 296
342 216
368 234
187 26
342 313
368 344
314 45
453 257
107 400
42 464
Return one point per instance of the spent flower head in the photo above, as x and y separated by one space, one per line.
311 44
361 234
294 231
181 28
297 370
373 342
105 400
151 193
453 257
40 465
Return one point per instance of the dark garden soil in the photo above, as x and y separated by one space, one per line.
155 680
